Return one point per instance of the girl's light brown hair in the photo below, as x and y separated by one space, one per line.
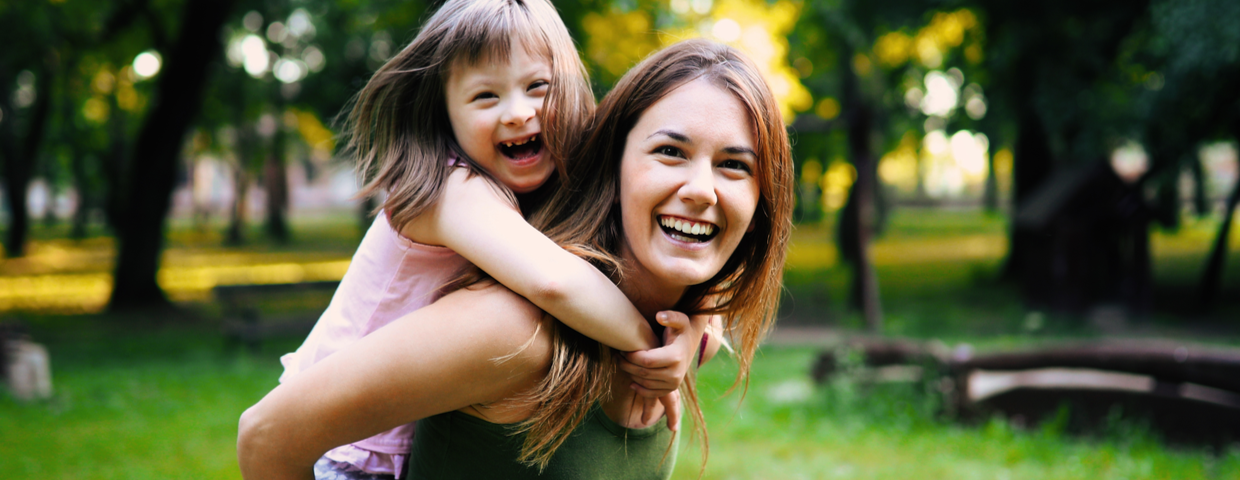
397 126
584 214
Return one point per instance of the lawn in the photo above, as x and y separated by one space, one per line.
159 397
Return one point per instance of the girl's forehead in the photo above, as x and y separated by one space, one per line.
500 51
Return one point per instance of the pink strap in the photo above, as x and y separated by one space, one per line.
702 348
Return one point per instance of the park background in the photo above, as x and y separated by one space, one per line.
984 175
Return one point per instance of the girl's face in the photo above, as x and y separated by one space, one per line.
687 185
494 110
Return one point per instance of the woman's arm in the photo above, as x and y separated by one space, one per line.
424 363
475 221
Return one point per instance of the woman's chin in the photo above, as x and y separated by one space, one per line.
683 274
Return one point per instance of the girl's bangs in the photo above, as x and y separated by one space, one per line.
491 38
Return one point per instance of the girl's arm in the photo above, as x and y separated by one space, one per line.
474 220
424 363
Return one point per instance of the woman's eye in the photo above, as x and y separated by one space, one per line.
735 165
668 151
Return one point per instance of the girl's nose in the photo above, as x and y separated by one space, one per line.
518 112
699 185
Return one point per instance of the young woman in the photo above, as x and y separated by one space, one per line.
686 201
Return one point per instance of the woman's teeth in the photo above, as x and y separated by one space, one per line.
684 226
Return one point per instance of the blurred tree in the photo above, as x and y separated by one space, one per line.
175 104
860 52
1052 66
26 107
1189 51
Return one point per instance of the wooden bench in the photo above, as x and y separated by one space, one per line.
1187 392
245 325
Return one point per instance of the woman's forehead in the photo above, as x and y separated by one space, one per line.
696 110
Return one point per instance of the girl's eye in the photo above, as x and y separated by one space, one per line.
735 165
485 96
539 84
667 150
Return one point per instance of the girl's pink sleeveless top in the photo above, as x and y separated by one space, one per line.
389 276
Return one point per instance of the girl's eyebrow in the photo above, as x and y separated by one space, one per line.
682 138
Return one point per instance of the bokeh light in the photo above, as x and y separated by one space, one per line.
941 96
147 64
254 55
1130 161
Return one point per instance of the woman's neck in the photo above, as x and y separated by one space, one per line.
650 295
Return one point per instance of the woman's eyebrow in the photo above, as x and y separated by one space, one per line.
740 150
680 137
674 135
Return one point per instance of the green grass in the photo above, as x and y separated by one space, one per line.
143 398
133 400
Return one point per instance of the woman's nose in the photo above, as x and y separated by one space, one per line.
517 112
699 185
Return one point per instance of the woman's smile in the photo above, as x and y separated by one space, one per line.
687 230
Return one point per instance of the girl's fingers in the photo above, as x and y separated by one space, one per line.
671 406
655 358
672 319
650 393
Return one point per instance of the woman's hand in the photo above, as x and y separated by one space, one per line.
658 373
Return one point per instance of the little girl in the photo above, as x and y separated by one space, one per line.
469 120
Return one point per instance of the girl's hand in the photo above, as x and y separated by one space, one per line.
658 373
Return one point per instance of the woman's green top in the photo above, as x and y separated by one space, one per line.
456 445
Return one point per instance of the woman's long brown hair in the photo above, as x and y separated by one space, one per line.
397 126
584 216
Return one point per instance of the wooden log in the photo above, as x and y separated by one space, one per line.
1171 362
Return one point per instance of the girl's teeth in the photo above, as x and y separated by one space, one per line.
520 142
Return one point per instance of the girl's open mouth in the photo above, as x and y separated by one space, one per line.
521 149
688 230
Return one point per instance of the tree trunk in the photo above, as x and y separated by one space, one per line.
114 163
174 105
241 180
1031 167
20 159
990 191
1212 277
1201 205
81 211
857 219
275 179
77 164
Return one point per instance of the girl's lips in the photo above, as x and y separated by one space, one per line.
525 161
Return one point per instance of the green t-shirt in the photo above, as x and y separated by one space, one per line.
456 445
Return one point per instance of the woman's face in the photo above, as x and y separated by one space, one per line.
687 186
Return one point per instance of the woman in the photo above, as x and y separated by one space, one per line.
685 199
